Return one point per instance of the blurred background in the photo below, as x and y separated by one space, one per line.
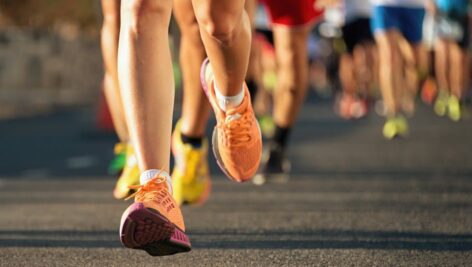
50 56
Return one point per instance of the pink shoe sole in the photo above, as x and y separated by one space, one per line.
146 229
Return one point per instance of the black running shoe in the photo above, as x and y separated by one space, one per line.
275 167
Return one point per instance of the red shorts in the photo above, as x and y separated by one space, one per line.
292 12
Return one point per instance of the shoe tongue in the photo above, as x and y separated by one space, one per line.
232 117
151 174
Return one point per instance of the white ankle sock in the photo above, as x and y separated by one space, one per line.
228 102
146 176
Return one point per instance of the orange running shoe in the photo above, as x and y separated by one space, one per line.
237 141
154 223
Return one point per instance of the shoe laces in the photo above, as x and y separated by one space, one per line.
150 190
237 128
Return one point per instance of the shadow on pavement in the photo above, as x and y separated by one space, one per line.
318 239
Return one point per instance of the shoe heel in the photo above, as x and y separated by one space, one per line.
146 229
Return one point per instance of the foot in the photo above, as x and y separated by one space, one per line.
237 141
440 106
275 166
429 91
267 125
118 162
129 176
154 223
454 108
352 107
395 127
190 177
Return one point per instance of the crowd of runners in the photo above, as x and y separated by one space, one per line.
249 63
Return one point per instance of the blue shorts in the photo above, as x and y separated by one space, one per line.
407 20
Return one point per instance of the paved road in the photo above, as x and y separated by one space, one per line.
354 200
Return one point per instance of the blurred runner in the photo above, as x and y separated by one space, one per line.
397 26
291 25
452 58
124 161
154 222
358 65
429 89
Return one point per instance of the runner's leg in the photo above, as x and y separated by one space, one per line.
109 43
226 33
154 222
292 73
146 79
195 107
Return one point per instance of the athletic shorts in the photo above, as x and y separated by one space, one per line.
357 32
292 13
456 28
407 20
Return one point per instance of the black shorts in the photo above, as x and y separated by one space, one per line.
462 22
357 32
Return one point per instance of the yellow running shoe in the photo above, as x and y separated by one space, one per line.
129 176
237 140
190 177
119 160
402 125
440 106
395 127
154 222
390 129
454 108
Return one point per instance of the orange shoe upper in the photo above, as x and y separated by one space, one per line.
239 137
155 195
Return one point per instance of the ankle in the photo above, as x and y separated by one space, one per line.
195 142
228 102
150 174
281 135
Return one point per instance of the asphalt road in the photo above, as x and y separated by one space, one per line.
354 198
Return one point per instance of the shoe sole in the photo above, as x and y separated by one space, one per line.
146 229
274 178
214 138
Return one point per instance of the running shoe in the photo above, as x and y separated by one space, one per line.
429 91
352 107
129 176
454 108
154 222
275 166
395 127
440 106
191 176
402 126
237 141
267 125
118 162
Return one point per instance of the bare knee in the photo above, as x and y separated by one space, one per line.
139 14
219 24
